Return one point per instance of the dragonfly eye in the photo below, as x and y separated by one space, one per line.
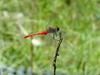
57 28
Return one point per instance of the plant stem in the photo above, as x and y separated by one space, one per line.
31 57
57 53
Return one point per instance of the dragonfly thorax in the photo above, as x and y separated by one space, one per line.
52 30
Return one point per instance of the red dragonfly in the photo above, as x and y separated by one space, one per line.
53 30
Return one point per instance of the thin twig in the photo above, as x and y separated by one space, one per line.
31 57
57 53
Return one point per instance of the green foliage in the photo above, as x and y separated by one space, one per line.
80 21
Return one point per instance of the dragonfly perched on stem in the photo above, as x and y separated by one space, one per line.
49 30
56 32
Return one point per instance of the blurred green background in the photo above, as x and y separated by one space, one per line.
78 19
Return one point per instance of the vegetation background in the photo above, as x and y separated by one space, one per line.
80 21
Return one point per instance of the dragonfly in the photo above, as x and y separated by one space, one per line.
52 33
49 30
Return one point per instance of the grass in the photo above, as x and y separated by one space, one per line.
79 20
